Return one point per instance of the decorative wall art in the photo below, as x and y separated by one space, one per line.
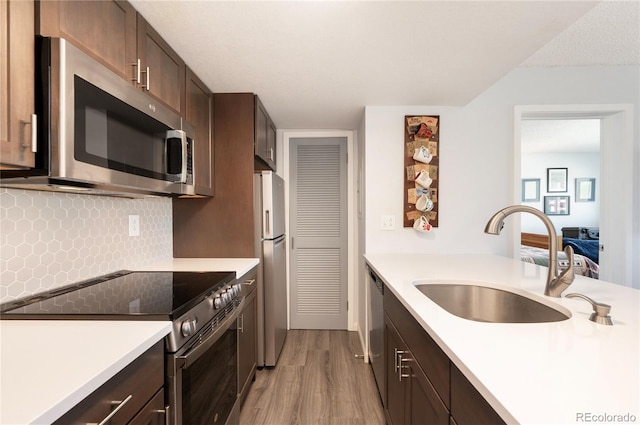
556 179
421 161
556 205
585 190
530 190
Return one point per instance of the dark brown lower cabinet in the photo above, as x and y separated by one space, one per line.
135 395
423 386
425 407
248 336
395 410
468 407
411 399
153 413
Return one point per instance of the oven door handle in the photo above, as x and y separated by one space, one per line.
184 360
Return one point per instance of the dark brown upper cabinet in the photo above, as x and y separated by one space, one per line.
222 226
199 113
162 71
106 30
116 35
17 118
265 138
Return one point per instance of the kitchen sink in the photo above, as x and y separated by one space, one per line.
486 304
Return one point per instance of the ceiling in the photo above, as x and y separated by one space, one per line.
317 64
547 136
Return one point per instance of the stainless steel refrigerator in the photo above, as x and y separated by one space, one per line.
271 248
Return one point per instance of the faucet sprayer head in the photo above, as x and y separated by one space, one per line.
495 224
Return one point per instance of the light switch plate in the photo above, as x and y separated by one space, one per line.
387 222
134 225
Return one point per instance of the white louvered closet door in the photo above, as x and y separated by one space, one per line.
318 229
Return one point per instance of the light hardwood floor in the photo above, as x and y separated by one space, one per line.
317 380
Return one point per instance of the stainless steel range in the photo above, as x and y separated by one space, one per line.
201 350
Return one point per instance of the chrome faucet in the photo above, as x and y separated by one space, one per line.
556 284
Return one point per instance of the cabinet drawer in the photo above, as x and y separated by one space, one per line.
141 380
424 349
467 404
153 413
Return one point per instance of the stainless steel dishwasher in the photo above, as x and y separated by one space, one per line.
376 330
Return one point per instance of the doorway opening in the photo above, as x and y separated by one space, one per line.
348 264
317 226
616 171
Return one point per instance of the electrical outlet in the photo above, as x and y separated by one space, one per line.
134 225
387 222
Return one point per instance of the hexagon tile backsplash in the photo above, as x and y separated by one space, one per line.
49 240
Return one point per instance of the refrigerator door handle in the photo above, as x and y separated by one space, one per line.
279 241
267 230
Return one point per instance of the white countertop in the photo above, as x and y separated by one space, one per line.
47 367
239 265
539 373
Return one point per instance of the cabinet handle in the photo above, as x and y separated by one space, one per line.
241 323
397 355
400 374
136 64
114 411
271 154
33 123
34 133
399 363
399 366
249 282
146 73
165 412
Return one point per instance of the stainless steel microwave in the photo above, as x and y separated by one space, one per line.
99 133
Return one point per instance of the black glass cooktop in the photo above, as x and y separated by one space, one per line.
122 295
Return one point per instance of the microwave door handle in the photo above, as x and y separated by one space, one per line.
178 134
183 173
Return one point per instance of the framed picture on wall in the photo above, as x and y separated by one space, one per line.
530 190
557 179
556 205
585 190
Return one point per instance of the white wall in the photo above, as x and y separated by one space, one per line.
476 163
465 167
581 214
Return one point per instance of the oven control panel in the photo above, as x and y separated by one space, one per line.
190 324
225 295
